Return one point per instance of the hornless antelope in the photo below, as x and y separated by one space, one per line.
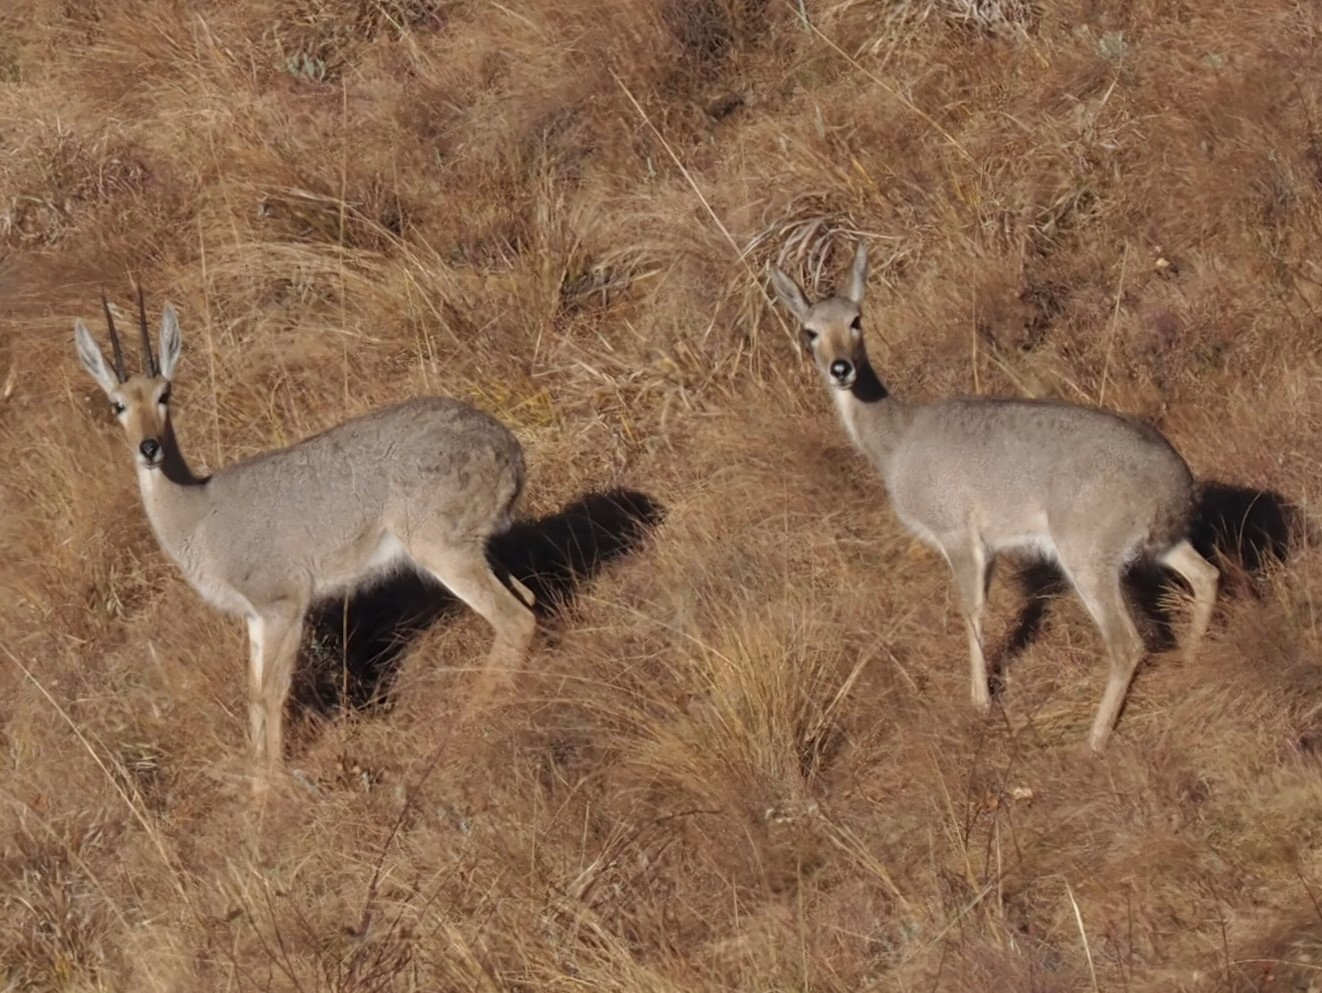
974 476
426 482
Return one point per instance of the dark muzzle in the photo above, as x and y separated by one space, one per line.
842 373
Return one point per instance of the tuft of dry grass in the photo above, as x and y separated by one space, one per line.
742 754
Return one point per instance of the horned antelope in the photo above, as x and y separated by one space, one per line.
425 482
975 476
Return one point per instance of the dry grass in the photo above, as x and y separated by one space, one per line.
742 756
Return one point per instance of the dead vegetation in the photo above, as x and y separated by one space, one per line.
742 757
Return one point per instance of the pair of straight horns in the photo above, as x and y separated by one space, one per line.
152 368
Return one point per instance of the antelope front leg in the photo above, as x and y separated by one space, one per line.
968 562
256 670
275 638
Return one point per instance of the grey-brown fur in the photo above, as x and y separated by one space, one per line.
425 482
975 476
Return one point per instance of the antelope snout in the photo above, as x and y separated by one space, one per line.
151 451
842 373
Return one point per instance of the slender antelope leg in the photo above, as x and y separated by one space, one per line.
1097 582
1202 578
275 690
466 574
256 671
968 563
274 637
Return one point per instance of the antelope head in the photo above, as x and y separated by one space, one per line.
831 330
140 402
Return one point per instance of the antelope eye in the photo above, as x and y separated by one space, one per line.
810 334
857 323
117 407
164 398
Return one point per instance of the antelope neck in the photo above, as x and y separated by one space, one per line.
867 387
174 466
173 495
872 417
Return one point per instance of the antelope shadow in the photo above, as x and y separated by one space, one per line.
1245 527
357 643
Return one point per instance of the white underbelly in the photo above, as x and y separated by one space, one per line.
1039 543
1033 537
360 565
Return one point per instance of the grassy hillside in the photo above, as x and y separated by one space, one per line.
742 756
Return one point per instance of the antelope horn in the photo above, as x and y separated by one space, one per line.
152 368
114 340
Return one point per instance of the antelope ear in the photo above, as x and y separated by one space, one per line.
92 360
789 293
171 341
857 279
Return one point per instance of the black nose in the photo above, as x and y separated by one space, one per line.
149 448
841 369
